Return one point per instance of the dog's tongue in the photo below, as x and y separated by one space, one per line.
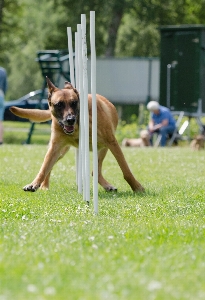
69 129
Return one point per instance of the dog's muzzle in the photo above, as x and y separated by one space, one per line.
68 125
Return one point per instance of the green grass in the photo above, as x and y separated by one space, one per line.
140 246
17 133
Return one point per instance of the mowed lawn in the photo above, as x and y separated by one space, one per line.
139 246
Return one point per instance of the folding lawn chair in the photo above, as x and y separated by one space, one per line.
178 132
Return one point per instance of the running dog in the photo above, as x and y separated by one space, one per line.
64 113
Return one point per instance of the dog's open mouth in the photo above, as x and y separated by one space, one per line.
68 129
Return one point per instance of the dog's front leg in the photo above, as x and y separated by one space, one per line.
54 153
45 183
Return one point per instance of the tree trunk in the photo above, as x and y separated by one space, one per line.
116 17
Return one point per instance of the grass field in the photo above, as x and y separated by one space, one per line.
140 246
17 132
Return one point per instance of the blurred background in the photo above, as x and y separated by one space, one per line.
128 41
125 28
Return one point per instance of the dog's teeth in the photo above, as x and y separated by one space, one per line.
69 129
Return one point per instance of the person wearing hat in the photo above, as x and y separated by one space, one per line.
161 121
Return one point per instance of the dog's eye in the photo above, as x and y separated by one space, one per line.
59 104
74 103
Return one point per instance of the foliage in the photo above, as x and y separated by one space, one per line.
36 31
10 29
123 28
137 39
149 246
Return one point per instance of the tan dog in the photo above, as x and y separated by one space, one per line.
198 142
143 141
64 112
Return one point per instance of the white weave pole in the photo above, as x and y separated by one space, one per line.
76 62
86 112
80 81
72 77
94 111
81 164
79 150
70 49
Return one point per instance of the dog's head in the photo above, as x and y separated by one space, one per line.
200 139
64 105
144 134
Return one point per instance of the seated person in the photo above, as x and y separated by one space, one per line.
161 121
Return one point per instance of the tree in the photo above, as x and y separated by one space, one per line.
9 27
123 28
139 29
117 12
1 13
35 30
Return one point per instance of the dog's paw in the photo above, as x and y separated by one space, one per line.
110 188
139 189
31 187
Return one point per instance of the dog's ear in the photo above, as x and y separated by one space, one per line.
68 85
51 89
51 86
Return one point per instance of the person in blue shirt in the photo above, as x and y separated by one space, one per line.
3 89
161 121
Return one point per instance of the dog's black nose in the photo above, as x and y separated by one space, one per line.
70 119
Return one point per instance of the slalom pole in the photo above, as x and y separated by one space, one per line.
70 49
94 111
81 167
86 112
72 77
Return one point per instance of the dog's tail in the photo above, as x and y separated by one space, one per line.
34 115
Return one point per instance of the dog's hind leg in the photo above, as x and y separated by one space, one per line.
128 176
101 180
